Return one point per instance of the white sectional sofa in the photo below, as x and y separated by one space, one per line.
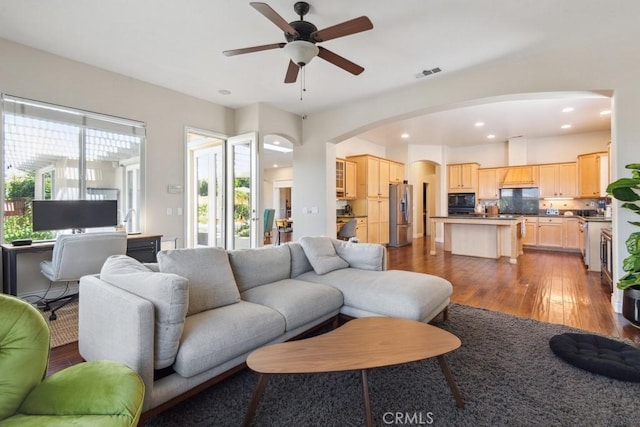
193 318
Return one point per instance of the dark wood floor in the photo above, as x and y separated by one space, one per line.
548 286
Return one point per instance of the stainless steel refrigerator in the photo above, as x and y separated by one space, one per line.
400 214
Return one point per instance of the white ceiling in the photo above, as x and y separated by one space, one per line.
178 44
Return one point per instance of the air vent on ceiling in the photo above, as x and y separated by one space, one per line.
428 72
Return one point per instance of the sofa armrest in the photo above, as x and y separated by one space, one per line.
114 324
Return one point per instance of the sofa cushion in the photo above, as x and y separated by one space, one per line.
255 267
366 256
211 281
299 261
213 337
299 302
168 293
392 293
322 254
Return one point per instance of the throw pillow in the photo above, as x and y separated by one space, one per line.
167 292
322 254
211 281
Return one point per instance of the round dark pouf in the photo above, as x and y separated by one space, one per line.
599 355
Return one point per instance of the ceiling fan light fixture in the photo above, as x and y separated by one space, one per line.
301 52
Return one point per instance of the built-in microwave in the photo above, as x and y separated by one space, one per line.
461 203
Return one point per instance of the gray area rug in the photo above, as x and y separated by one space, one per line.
505 371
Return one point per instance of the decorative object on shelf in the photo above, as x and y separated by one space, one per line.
627 190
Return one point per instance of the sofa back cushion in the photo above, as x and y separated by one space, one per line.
299 262
365 256
322 254
211 281
168 293
256 267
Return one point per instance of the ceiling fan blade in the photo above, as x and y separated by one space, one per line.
346 28
273 16
292 72
339 61
233 52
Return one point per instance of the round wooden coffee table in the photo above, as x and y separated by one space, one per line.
360 344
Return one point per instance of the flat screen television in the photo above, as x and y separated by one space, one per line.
49 215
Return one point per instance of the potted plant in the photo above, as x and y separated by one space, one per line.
627 191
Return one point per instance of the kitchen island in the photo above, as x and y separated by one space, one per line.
481 235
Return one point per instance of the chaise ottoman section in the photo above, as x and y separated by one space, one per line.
377 293
213 337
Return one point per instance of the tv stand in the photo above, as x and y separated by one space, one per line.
142 247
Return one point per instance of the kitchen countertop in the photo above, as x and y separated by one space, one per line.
350 216
504 217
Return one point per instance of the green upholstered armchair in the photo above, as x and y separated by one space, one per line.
100 393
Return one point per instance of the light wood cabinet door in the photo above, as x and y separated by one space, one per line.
396 172
361 230
462 177
531 231
383 180
572 233
550 232
547 180
558 180
373 177
350 177
567 180
340 178
589 172
488 184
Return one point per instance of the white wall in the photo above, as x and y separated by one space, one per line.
45 77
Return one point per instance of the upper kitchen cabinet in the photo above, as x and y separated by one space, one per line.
396 172
463 177
593 173
489 183
558 180
346 179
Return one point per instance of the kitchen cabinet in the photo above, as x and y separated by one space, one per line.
488 184
593 170
531 231
463 177
550 232
396 172
372 195
558 180
571 233
346 179
378 220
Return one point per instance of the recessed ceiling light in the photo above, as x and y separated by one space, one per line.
567 109
491 136
404 136
276 142
566 126
277 148
479 124
224 92
275 166
605 113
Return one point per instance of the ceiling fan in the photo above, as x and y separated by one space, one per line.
302 37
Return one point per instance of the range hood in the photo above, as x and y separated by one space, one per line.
520 177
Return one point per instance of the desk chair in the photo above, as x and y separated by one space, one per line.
283 226
98 393
268 223
348 230
77 255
